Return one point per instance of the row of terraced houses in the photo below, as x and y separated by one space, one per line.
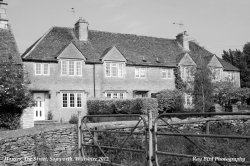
66 66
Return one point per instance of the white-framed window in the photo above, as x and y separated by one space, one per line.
38 69
140 72
71 68
72 100
188 100
115 95
167 73
186 72
113 69
230 76
42 69
216 73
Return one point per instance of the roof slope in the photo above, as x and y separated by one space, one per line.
138 50
8 47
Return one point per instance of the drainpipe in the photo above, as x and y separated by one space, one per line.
94 80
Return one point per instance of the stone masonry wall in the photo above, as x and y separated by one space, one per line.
31 146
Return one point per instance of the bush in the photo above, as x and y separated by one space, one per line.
14 94
10 121
127 106
73 119
50 115
170 101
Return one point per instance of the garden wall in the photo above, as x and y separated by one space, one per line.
31 146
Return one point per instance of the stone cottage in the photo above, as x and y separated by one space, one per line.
68 65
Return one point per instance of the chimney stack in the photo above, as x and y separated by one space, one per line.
3 19
81 29
183 39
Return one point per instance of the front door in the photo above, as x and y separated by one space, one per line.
39 113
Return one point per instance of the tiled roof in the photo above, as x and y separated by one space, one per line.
228 66
8 47
138 50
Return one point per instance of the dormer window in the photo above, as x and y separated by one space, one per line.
42 69
114 69
71 68
216 74
186 72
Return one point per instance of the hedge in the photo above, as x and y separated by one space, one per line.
127 106
170 101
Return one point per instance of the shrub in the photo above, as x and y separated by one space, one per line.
73 119
127 106
50 115
10 121
170 101
14 95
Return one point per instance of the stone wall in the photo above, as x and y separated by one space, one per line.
31 146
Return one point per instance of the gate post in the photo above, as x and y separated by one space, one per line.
150 138
79 135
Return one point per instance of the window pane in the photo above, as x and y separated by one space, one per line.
108 69
137 72
143 72
65 100
71 68
186 72
108 95
114 70
64 68
115 96
121 96
79 68
72 100
188 99
45 69
38 68
79 100
120 70
164 74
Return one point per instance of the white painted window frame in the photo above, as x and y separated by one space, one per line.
42 69
119 68
214 72
75 99
139 72
168 72
186 99
118 95
75 66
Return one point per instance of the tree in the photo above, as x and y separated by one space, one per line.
203 89
225 92
242 61
14 95
246 52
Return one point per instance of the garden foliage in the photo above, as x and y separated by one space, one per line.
14 95
127 106
170 101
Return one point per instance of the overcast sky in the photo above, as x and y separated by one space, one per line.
215 24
